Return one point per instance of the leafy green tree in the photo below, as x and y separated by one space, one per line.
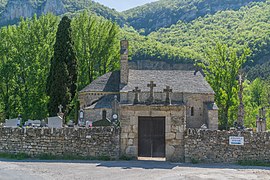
96 43
62 79
7 69
24 53
256 96
221 70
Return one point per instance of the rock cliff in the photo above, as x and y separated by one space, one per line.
25 8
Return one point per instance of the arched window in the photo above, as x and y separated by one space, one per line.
192 111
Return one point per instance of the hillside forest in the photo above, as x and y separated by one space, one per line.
27 47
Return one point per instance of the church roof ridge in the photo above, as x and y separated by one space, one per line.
179 80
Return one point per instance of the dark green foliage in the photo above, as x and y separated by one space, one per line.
18 156
254 163
126 158
164 13
23 156
147 48
256 96
195 161
71 157
62 79
259 71
248 26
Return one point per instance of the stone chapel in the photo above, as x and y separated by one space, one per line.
154 107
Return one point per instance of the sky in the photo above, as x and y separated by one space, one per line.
121 5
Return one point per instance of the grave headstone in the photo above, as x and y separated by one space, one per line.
55 122
33 123
60 113
70 123
43 123
81 123
28 123
36 123
12 123
88 124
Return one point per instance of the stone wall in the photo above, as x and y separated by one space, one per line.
196 145
213 146
196 101
94 142
96 114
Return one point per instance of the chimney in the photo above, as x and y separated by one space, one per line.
124 63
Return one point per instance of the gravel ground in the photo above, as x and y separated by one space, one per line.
126 170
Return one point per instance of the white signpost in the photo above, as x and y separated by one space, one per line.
235 140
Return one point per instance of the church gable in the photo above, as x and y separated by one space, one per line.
107 83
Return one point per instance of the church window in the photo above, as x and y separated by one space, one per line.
104 114
192 111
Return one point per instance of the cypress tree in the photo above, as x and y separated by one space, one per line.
62 79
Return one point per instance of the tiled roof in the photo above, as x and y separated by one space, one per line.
107 83
179 81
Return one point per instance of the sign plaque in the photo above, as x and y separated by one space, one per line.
235 140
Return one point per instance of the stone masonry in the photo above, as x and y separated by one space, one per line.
82 142
196 145
175 124
213 146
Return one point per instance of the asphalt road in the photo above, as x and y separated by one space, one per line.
126 170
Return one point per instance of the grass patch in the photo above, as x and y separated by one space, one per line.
17 156
22 156
72 157
194 161
125 158
254 163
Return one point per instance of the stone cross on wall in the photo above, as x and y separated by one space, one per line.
151 85
60 108
136 98
241 110
167 91
262 113
261 120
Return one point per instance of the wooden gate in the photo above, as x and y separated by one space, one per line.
151 137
